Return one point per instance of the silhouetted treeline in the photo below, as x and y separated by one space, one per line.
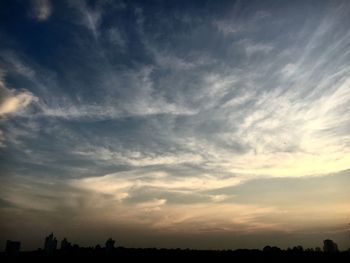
165 255
109 253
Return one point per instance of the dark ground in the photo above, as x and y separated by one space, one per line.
172 255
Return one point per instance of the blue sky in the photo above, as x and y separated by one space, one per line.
200 124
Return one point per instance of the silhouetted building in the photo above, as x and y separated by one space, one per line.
110 244
329 246
50 244
65 245
12 248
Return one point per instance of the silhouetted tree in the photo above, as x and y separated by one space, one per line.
267 248
329 246
65 245
298 249
110 244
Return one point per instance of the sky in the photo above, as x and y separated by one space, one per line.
200 124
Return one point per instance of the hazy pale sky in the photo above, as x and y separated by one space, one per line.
202 124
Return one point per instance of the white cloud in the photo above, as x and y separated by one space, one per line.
289 70
2 140
13 101
122 183
262 14
228 27
234 119
219 198
136 158
16 102
116 38
153 205
138 99
252 48
89 17
207 116
41 9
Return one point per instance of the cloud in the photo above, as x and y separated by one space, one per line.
116 38
16 102
120 183
41 10
153 205
253 48
228 28
289 70
136 158
263 116
2 139
144 101
12 101
241 216
154 213
90 16
159 124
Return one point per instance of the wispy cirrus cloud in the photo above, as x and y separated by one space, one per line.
153 117
90 18
41 10
271 111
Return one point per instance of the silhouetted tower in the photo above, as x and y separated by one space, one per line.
329 246
65 245
110 244
12 248
50 244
